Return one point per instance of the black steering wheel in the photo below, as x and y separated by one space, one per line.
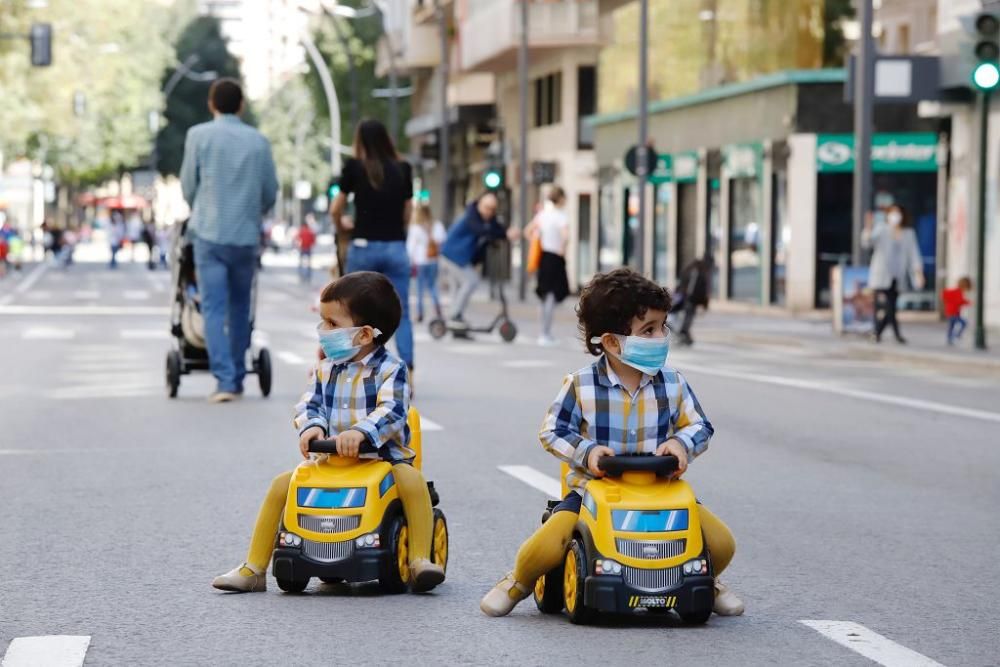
615 466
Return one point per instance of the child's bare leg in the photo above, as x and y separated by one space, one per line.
541 552
416 501
721 545
251 575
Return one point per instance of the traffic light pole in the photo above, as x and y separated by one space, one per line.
863 93
984 125
522 176
642 161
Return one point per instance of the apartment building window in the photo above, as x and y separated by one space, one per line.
586 105
903 39
548 100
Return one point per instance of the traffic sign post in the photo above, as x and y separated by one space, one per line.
985 77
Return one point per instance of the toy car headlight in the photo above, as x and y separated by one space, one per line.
696 566
289 540
606 566
369 541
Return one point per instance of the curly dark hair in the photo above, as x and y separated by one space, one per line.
610 302
370 299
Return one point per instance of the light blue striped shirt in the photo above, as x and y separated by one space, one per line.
228 179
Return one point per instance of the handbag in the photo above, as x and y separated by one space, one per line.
534 254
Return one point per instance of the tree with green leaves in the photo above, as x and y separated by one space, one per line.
835 12
188 102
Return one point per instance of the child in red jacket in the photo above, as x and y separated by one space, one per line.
953 299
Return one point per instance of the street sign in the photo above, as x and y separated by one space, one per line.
904 152
630 160
742 160
685 167
543 172
663 172
900 79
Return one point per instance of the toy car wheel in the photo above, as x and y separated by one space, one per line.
508 331
173 373
439 543
394 577
549 592
574 576
699 617
292 585
437 328
264 371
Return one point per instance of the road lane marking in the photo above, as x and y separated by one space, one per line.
899 401
870 644
136 294
429 425
534 479
87 294
48 333
51 651
145 334
83 311
291 358
25 284
527 363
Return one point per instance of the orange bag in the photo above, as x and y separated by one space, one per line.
534 254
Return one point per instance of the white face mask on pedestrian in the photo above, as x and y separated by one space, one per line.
894 218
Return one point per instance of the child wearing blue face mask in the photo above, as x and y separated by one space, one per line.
358 394
627 402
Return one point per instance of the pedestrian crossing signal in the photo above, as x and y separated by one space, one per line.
986 74
493 179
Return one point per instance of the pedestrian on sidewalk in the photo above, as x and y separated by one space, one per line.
551 227
464 249
382 185
423 244
953 299
149 240
693 290
116 236
896 264
229 180
305 239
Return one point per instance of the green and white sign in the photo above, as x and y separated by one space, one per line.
686 167
905 152
664 170
743 160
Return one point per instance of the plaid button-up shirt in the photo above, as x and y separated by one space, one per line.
594 408
229 180
371 395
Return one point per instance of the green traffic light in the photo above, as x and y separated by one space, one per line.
492 179
333 191
986 76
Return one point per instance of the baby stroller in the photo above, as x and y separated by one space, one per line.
187 326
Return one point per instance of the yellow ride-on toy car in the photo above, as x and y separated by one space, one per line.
343 522
637 547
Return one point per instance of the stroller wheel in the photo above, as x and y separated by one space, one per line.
438 328
508 331
173 373
264 371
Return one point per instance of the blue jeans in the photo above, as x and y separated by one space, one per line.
956 327
225 280
427 276
390 259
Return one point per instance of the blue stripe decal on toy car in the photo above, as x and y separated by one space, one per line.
385 485
331 498
649 521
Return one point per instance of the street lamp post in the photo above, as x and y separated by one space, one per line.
445 141
522 177
332 103
642 160
183 71
863 94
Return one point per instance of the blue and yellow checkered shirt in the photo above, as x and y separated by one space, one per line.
371 395
594 408
229 180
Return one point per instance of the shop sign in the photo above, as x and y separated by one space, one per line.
685 166
904 152
663 173
742 160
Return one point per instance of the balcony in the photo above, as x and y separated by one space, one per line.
490 30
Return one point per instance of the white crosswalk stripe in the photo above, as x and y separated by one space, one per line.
48 333
47 651
870 644
534 479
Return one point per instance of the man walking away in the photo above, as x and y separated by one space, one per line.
693 289
229 180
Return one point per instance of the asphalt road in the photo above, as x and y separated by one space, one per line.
858 492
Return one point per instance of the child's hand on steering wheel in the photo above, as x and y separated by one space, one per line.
595 455
349 443
674 447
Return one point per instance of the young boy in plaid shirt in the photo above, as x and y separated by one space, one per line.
626 402
359 394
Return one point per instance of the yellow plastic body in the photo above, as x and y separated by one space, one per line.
334 472
641 491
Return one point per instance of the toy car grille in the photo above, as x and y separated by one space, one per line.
328 551
650 549
651 580
329 524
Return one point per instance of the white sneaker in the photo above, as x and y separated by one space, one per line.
223 397
503 597
547 341
241 579
726 602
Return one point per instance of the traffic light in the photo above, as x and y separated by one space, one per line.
334 189
986 74
493 178
41 44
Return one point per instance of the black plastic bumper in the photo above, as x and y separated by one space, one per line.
611 594
364 565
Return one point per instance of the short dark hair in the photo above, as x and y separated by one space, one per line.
371 300
610 302
226 95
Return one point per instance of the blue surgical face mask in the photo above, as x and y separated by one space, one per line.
338 344
646 355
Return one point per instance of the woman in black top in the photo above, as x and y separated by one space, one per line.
382 186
